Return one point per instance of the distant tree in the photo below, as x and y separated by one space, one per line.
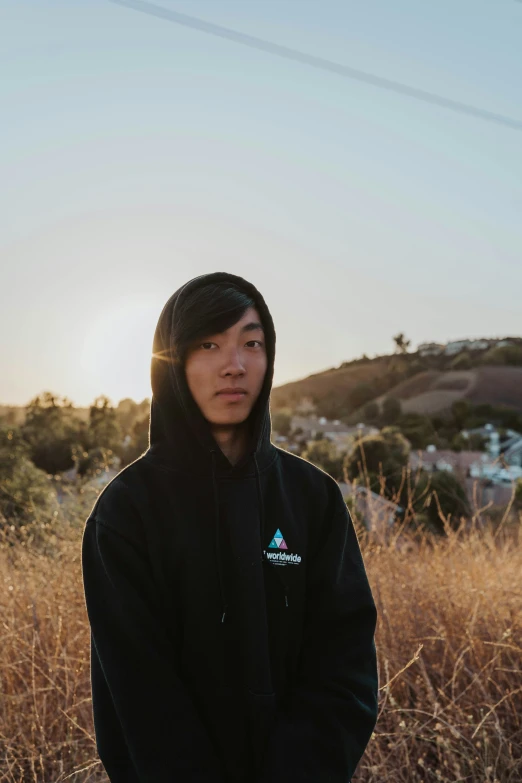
104 430
324 454
360 394
373 456
95 461
416 366
474 442
141 434
306 406
461 361
126 414
51 429
139 442
371 412
391 410
398 444
401 343
460 411
25 490
451 496
397 367
282 422
459 443
418 429
510 355
8 418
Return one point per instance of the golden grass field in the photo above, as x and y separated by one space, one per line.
449 643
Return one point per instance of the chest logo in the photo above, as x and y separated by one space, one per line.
278 542
279 553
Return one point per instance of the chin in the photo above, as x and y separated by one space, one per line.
228 418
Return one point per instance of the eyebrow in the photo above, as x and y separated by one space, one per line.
252 326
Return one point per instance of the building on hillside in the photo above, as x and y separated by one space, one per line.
305 407
511 448
495 472
490 435
479 345
474 464
456 347
509 445
378 513
430 349
339 433
432 459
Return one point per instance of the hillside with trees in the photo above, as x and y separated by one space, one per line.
423 384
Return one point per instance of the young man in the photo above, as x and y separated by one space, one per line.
232 622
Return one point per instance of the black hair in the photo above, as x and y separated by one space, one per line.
209 309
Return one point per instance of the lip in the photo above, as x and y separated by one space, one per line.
232 393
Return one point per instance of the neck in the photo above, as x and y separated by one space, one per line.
232 440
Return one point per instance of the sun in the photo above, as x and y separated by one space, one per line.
114 358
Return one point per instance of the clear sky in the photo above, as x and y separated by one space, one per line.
137 153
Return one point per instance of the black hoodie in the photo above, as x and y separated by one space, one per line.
232 622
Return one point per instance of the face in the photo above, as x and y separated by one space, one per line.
218 364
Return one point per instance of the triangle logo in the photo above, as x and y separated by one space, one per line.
278 542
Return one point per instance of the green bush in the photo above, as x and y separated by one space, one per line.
324 454
510 355
386 454
451 497
25 491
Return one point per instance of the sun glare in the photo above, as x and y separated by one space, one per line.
117 348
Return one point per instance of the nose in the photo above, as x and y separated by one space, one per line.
233 364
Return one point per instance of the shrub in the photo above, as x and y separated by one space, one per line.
25 490
324 454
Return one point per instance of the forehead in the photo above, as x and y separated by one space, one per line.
249 322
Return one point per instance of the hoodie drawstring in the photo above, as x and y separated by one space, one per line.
218 551
286 587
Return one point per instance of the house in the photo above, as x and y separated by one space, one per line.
432 459
377 512
430 349
478 345
511 448
335 430
509 445
456 347
490 435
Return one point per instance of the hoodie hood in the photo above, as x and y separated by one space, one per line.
180 438
179 435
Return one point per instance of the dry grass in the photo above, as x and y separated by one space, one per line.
449 643
46 731
449 640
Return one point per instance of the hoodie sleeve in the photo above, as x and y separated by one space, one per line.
162 730
333 704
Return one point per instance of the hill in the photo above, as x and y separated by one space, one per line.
426 392
335 383
434 392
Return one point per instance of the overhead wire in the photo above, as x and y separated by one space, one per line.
320 63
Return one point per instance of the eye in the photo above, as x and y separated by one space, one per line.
255 341
203 345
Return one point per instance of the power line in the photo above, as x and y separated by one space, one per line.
319 62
